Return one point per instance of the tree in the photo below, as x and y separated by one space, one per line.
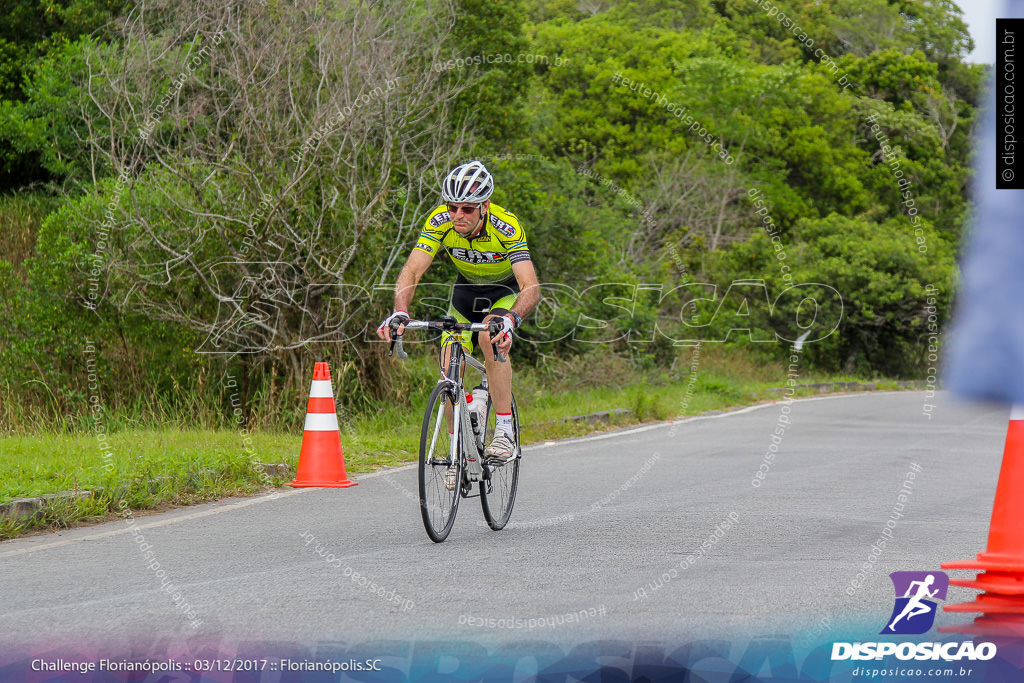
490 63
30 30
271 166
884 273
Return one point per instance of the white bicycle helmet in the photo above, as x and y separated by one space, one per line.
469 182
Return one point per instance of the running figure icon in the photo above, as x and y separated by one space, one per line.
915 606
915 597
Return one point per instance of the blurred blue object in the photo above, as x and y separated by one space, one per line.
986 342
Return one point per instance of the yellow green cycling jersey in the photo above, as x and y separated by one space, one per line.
484 259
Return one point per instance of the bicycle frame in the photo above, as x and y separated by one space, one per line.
460 446
448 409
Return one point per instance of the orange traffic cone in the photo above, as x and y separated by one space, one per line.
321 462
1002 602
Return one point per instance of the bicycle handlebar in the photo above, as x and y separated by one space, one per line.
450 325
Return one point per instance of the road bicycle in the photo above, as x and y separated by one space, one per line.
451 457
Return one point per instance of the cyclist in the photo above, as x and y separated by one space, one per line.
496 280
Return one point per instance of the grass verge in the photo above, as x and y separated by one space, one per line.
169 466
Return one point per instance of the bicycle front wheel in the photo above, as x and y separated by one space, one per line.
440 475
498 489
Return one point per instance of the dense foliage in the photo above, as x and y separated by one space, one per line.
233 191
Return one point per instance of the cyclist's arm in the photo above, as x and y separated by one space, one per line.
529 288
410 276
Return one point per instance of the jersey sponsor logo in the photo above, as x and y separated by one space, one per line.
502 227
425 247
440 219
476 257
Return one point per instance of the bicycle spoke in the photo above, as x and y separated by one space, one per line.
498 494
438 502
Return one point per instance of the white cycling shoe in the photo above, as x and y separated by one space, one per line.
501 450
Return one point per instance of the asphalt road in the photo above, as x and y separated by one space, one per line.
615 530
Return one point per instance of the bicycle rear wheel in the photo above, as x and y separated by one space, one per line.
438 503
498 489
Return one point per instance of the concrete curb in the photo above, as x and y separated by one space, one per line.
26 508
832 387
589 418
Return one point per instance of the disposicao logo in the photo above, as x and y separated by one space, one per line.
951 651
914 611
917 594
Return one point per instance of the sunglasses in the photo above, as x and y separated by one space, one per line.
467 209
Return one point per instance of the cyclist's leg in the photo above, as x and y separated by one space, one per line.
478 304
499 375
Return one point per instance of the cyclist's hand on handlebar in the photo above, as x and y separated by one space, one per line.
393 324
504 336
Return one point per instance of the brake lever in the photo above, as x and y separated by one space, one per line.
495 328
396 340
